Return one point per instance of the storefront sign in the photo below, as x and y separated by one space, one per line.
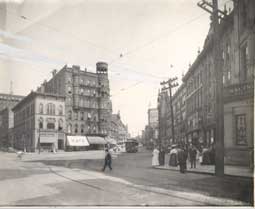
77 141
48 137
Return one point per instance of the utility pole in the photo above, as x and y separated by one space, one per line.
219 141
171 85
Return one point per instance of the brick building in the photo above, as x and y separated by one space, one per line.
39 121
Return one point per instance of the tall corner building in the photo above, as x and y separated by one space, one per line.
87 98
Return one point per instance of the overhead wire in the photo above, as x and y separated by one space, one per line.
74 36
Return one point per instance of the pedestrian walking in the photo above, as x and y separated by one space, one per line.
182 158
192 156
107 160
155 157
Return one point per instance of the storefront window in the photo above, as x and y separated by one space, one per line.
241 138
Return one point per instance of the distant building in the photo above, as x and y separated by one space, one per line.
119 131
179 109
7 101
39 121
6 126
88 106
153 117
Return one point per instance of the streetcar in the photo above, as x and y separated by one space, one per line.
131 145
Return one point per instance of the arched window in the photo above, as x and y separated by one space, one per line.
41 123
60 125
82 128
82 115
60 110
50 109
70 114
41 108
51 123
76 115
76 128
69 128
69 89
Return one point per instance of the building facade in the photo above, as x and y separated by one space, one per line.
237 45
39 121
119 131
6 128
153 117
7 101
238 53
179 109
88 106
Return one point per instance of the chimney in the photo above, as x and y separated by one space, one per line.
54 72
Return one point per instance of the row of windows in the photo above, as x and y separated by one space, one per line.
81 116
194 83
50 109
50 124
76 129
194 102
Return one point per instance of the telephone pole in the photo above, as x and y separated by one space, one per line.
219 141
171 84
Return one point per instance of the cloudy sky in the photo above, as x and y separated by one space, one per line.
139 39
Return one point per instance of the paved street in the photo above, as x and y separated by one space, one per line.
66 179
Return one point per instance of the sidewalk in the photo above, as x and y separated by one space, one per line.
210 169
35 156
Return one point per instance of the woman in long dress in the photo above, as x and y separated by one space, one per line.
155 160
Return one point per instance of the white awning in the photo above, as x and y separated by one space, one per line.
110 140
96 140
77 141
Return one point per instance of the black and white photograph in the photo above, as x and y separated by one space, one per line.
123 103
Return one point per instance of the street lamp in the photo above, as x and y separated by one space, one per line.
39 140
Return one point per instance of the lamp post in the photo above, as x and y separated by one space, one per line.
39 140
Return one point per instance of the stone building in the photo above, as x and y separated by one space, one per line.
179 109
164 119
88 106
237 45
238 57
119 131
39 121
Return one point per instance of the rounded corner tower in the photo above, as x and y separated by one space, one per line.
102 68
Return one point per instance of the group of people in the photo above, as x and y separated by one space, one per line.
183 152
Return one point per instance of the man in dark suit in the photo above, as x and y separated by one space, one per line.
107 160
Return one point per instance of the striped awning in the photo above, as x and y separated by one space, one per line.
96 140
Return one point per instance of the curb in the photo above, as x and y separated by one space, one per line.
187 171
207 173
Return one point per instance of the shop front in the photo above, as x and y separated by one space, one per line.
48 141
77 143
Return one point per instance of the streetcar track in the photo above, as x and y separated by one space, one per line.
129 185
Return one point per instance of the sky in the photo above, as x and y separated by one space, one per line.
144 42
